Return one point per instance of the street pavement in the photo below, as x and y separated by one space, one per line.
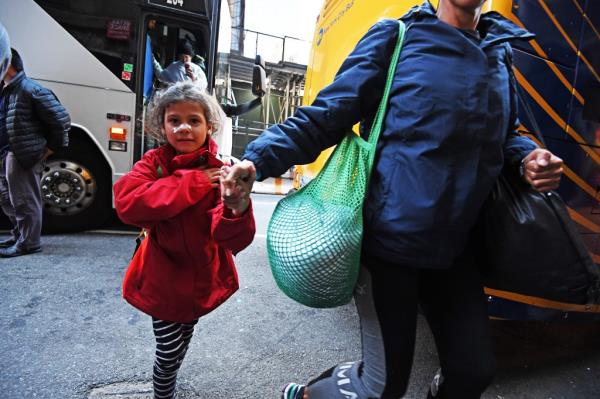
65 332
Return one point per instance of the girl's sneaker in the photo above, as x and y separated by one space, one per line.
293 391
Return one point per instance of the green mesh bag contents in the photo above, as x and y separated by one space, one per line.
314 235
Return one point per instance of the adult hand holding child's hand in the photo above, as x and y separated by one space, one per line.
236 185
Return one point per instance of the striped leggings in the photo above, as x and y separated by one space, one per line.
172 341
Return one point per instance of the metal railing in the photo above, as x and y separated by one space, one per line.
275 49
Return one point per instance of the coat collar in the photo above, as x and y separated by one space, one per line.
494 28
16 80
207 155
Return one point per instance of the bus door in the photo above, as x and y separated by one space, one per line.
164 35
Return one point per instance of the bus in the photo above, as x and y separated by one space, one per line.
559 73
96 56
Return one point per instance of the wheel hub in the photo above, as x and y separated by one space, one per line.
67 187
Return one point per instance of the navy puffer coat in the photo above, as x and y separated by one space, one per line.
449 129
35 119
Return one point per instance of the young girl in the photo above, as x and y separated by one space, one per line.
184 268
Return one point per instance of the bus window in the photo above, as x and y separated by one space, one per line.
106 28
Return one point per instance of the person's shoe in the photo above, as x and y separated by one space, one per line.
434 388
293 391
13 251
8 243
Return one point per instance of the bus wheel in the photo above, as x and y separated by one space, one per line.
74 193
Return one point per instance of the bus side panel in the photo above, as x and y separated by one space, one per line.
585 118
88 107
560 96
557 25
341 25
84 85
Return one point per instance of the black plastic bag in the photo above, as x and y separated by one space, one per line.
530 246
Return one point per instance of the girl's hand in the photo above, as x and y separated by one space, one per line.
235 194
213 175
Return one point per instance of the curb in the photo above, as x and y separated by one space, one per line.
273 185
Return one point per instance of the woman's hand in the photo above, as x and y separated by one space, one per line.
542 170
236 186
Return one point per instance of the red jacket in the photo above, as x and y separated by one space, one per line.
184 268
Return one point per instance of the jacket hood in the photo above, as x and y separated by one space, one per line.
494 28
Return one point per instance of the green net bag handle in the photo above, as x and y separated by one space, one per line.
314 236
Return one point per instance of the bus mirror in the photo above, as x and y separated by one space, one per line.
258 60
259 79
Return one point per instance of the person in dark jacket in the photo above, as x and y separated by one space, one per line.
449 130
33 124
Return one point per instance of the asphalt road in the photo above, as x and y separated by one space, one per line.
65 332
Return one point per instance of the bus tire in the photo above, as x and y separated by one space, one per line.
76 188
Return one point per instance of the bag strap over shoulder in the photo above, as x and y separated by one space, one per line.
378 121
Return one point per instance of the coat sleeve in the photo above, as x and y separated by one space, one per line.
233 233
516 147
352 97
143 199
54 116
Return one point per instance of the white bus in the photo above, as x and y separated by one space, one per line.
97 58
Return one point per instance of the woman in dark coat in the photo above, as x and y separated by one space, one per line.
449 130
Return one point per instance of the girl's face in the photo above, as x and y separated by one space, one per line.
186 126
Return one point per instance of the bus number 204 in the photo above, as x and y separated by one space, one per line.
175 2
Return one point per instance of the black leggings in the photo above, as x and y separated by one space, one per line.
387 297
172 342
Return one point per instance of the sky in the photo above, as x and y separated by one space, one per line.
293 19
296 18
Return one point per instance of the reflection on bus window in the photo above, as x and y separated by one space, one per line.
106 28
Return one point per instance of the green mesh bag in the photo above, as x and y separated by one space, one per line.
314 235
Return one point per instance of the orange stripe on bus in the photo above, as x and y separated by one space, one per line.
538 49
567 38
557 72
554 115
582 220
586 18
566 170
541 302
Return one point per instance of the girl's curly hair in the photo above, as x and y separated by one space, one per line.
181 92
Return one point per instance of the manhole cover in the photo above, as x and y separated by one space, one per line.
123 390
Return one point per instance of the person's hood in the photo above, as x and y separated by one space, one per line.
493 27
4 51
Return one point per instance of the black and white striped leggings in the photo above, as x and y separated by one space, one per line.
172 341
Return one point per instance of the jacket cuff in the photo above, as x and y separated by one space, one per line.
259 165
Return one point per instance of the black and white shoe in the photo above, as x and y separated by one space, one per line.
437 381
293 391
